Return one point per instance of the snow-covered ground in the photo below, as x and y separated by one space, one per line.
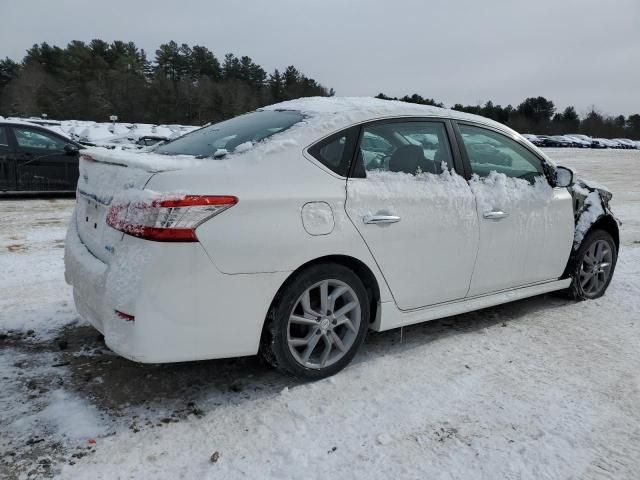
541 388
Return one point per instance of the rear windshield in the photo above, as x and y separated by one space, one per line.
224 137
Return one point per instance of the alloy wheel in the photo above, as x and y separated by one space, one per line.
596 267
324 324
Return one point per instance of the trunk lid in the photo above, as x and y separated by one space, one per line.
105 174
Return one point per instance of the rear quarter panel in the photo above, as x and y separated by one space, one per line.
264 231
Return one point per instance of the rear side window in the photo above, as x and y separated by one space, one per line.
225 137
336 152
4 142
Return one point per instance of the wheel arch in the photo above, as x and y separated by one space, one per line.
604 222
609 225
361 269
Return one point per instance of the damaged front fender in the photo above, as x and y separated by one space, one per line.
591 206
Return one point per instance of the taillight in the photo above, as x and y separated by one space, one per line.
167 220
125 316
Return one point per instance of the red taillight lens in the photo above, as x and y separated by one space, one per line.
173 219
125 316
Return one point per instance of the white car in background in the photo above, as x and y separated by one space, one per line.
578 141
602 143
293 230
626 143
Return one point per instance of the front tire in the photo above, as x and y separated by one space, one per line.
317 322
593 266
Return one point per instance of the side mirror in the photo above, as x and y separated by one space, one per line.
564 177
70 149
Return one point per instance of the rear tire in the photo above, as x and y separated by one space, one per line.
593 266
317 323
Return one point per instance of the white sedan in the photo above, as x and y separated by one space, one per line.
292 230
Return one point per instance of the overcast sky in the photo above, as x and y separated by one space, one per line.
575 52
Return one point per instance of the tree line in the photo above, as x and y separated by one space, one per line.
539 115
181 84
189 85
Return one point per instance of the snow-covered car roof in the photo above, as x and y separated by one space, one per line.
339 112
323 116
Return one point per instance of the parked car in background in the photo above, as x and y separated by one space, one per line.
293 230
579 142
584 138
35 159
537 141
558 141
151 140
612 143
598 143
626 143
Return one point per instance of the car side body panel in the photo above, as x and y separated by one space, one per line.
265 231
210 299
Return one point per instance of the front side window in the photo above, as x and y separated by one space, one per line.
491 151
224 137
36 139
408 147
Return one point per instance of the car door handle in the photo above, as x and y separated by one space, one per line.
495 215
374 219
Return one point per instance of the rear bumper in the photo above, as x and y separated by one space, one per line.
184 308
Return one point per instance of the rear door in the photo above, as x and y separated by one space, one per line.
7 162
416 215
526 224
42 163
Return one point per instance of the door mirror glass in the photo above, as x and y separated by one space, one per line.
70 149
564 177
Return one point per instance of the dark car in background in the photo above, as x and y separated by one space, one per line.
535 139
34 159
151 140
555 141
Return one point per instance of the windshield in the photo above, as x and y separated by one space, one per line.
225 137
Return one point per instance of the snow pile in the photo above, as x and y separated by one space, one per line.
71 417
338 112
591 212
499 191
146 161
109 133
96 133
444 192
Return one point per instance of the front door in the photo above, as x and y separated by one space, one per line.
416 215
42 162
526 225
7 163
